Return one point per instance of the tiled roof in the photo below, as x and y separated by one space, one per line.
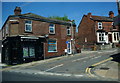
44 19
101 18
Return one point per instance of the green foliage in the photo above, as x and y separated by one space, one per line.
64 18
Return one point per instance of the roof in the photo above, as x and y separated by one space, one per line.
40 18
102 18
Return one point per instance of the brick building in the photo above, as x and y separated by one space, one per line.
97 31
28 37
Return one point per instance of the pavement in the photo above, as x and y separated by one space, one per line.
109 69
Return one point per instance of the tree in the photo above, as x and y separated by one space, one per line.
64 18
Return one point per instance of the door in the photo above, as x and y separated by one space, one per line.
110 38
69 50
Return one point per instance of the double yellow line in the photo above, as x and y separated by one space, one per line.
88 70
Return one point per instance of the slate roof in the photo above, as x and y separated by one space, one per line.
101 18
40 18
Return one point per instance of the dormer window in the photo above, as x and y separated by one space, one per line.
28 26
100 25
52 29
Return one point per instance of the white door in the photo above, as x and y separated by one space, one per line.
69 50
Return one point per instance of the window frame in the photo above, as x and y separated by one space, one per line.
30 24
100 25
52 28
101 37
55 45
116 36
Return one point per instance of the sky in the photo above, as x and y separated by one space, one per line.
74 10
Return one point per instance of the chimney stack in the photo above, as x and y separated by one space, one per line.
17 11
89 15
111 14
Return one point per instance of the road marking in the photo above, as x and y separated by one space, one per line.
53 67
88 70
102 61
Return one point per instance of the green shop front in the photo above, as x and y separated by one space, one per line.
21 49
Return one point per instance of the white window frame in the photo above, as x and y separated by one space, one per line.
101 35
56 45
100 25
69 29
53 29
115 36
28 24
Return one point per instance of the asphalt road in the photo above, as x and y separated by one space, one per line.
69 68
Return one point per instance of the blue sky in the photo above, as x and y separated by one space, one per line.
74 10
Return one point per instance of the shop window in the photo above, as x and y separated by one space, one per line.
28 26
52 29
28 52
52 46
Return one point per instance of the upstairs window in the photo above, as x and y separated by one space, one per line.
68 31
28 26
52 29
52 46
6 28
100 25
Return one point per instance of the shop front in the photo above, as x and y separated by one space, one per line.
21 49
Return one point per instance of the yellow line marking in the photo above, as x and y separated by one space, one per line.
88 70
102 61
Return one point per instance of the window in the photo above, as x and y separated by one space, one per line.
116 36
3 32
28 26
52 29
101 36
68 31
6 28
52 46
100 25
28 51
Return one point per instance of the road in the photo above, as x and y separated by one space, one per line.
69 68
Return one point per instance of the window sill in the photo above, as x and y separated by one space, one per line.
28 32
52 51
51 33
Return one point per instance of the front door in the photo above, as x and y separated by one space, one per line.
69 50
110 38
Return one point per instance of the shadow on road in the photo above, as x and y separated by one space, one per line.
116 57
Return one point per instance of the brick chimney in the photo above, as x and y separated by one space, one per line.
89 15
111 14
17 11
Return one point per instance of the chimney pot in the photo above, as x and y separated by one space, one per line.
111 14
17 11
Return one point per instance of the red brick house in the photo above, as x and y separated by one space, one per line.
97 31
28 37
